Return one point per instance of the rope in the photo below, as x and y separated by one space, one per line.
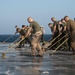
18 42
48 43
14 41
58 40
14 45
59 46
8 37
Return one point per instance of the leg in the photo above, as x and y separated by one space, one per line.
39 48
69 44
73 51
21 44
73 47
34 45
28 40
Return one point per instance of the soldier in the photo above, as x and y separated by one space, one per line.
24 27
63 21
55 30
66 44
51 27
16 29
60 26
27 39
55 24
35 43
71 32
22 36
61 29
64 24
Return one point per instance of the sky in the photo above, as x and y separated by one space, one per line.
16 12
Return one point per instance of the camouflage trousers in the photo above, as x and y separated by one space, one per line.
35 45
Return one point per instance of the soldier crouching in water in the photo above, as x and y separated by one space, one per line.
35 43
71 32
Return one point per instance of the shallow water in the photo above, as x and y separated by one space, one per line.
18 62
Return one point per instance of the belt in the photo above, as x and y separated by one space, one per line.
38 33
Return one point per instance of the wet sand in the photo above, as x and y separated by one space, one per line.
18 62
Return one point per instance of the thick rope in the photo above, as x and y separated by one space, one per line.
49 43
59 46
8 38
58 41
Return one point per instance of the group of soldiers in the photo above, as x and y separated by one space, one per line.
64 27
33 34
59 30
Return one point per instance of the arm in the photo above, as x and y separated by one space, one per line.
68 28
64 28
29 31
54 29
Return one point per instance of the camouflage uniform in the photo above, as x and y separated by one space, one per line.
56 32
71 32
35 43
